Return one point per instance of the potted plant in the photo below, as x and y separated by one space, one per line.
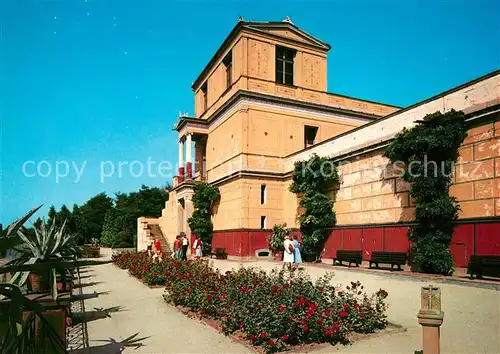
48 243
277 239
91 250
34 323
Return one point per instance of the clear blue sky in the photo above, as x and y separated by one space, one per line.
104 80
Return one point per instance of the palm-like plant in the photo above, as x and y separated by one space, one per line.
277 239
48 244
47 250
9 237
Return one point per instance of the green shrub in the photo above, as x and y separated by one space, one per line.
311 181
429 151
200 223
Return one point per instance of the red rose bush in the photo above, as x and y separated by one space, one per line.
275 310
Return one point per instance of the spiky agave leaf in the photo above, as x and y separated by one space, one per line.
9 237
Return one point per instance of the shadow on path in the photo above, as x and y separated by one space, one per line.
112 346
83 285
88 296
96 314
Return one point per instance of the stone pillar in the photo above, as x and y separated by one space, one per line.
181 161
430 317
188 212
180 217
189 159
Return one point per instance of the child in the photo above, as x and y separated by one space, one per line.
157 255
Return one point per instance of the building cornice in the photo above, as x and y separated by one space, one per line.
250 97
407 111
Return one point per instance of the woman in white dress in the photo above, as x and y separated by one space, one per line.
288 254
198 245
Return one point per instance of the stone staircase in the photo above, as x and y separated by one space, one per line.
157 234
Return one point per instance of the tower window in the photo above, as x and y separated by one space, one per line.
284 65
204 90
228 63
310 136
263 222
263 194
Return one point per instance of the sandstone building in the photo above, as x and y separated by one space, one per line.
261 104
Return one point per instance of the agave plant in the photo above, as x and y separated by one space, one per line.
48 244
9 237
32 334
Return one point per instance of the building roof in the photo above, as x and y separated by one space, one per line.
268 29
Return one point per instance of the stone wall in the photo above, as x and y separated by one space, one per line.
168 221
477 174
227 212
372 191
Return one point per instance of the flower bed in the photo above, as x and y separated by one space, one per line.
274 311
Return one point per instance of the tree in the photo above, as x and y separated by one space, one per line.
120 224
200 223
111 228
91 216
52 214
64 215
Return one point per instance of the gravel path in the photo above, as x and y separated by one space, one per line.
144 312
471 314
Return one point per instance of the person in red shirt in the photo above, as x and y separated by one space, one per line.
177 247
157 246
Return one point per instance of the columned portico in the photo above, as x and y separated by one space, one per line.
181 160
186 141
189 158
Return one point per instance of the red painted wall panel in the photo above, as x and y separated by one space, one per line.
333 243
396 239
487 239
373 240
462 244
243 243
218 240
258 240
352 239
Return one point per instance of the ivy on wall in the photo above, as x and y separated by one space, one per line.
200 223
429 151
311 181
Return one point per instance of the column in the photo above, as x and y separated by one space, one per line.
189 159
181 161
188 212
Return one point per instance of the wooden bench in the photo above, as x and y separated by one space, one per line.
484 266
392 258
348 256
219 253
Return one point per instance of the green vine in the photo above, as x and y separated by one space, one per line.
429 151
311 181
200 223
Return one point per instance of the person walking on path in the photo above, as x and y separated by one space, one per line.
185 245
150 248
288 253
198 246
297 257
178 247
